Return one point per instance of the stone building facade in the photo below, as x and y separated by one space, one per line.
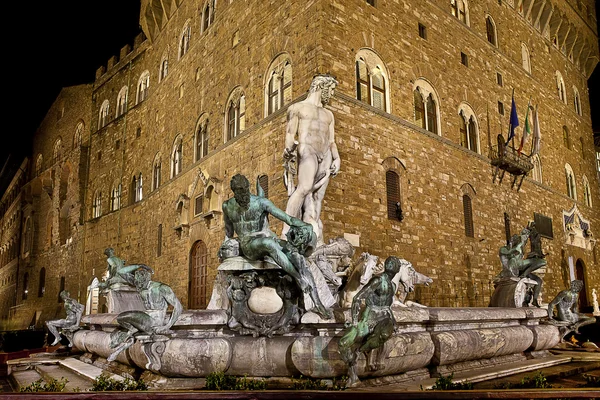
425 87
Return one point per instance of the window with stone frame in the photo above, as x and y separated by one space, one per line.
587 193
208 16
103 116
468 215
566 137
279 85
184 40
122 101
39 164
198 205
97 204
577 101
143 87
560 87
139 190
236 114
156 172
201 138
570 181
426 106
393 196
537 168
469 135
164 66
57 151
78 137
177 157
490 28
525 58
460 9
371 80
115 197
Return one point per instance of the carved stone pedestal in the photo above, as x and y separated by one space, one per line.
123 298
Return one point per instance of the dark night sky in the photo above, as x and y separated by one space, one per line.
62 43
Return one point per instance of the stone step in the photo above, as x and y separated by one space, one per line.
75 382
23 378
488 373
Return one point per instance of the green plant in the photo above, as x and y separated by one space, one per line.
308 383
51 385
220 381
538 381
445 383
104 383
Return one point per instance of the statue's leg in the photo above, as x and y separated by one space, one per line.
53 328
537 289
121 347
300 263
375 341
307 169
583 321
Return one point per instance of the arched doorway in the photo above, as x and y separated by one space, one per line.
580 275
198 276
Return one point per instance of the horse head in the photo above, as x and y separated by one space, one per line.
407 275
421 279
368 265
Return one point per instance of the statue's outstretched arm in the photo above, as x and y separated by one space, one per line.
170 298
281 215
553 304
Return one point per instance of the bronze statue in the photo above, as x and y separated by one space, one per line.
374 325
69 325
567 309
116 271
157 297
247 216
515 265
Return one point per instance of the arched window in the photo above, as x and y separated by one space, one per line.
164 67
38 164
393 196
525 59
184 40
537 168
57 152
566 137
77 138
142 87
103 115
207 15
115 197
201 138
570 180
97 204
490 27
372 80
577 101
560 87
263 181
278 89
236 114
42 283
177 157
139 195
198 276
426 106
468 215
27 236
25 285
469 132
156 172
122 101
587 193
460 9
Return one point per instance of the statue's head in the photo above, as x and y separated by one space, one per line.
326 84
515 240
64 295
142 276
576 285
109 252
392 266
241 189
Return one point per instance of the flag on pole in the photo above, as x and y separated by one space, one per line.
537 137
514 119
526 130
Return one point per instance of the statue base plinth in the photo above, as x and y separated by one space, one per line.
123 298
